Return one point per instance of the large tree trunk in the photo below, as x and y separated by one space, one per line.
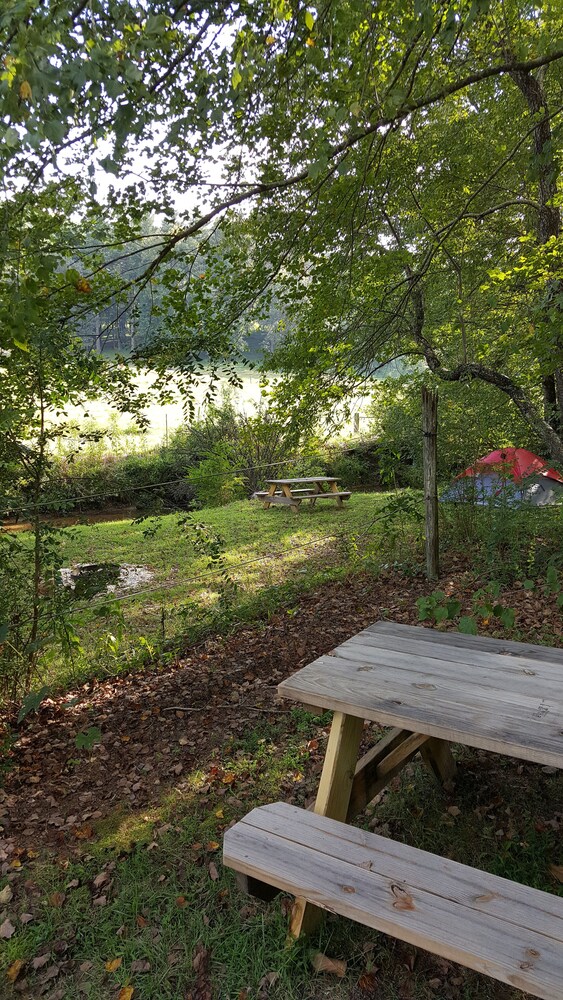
549 217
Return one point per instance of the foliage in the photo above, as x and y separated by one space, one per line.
409 212
505 543
474 419
486 604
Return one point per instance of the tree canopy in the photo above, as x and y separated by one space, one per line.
389 173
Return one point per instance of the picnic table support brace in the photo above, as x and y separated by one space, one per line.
380 764
437 756
332 800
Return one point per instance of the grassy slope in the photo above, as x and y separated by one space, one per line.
270 555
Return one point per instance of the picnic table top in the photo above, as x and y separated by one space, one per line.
303 479
494 694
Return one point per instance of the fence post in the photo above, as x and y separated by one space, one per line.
429 462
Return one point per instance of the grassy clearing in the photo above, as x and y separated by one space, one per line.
267 557
151 889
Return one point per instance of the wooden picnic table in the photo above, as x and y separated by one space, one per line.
292 492
433 688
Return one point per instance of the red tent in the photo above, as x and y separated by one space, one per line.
513 463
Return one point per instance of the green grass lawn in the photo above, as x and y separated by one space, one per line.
265 558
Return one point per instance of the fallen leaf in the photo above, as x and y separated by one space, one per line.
219 814
26 918
100 880
141 921
6 895
212 845
557 872
40 961
140 965
181 901
213 873
51 973
7 929
125 993
99 901
113 964
14 970
200 960
454 810
367 983
322 963
57 898
84 832
267 981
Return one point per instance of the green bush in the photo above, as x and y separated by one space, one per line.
215 481
473 419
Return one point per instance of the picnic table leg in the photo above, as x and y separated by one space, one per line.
271 492
287 493
437 756
333 798
318 490
334 489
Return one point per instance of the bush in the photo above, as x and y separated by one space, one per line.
473 419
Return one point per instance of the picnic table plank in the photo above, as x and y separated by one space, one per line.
488 923
303 479
459 692
479 642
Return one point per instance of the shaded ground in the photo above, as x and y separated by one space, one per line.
157 726
208 737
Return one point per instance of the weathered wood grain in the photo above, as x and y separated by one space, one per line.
503 929
333 796
480 642
493 694
380 764
303 479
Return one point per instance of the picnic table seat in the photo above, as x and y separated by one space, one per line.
493 925
303 495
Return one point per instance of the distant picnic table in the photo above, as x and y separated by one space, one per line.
292 492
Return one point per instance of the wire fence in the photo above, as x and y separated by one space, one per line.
39 505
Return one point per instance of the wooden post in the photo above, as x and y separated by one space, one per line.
429 461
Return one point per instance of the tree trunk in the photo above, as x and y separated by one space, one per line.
429 465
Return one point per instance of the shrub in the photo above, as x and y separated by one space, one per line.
474 419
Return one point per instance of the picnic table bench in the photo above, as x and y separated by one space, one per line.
433 688
292 492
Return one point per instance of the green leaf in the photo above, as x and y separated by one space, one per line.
11 136
32 702
85 741
309 20
507 617
236 78
467 625
20 344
